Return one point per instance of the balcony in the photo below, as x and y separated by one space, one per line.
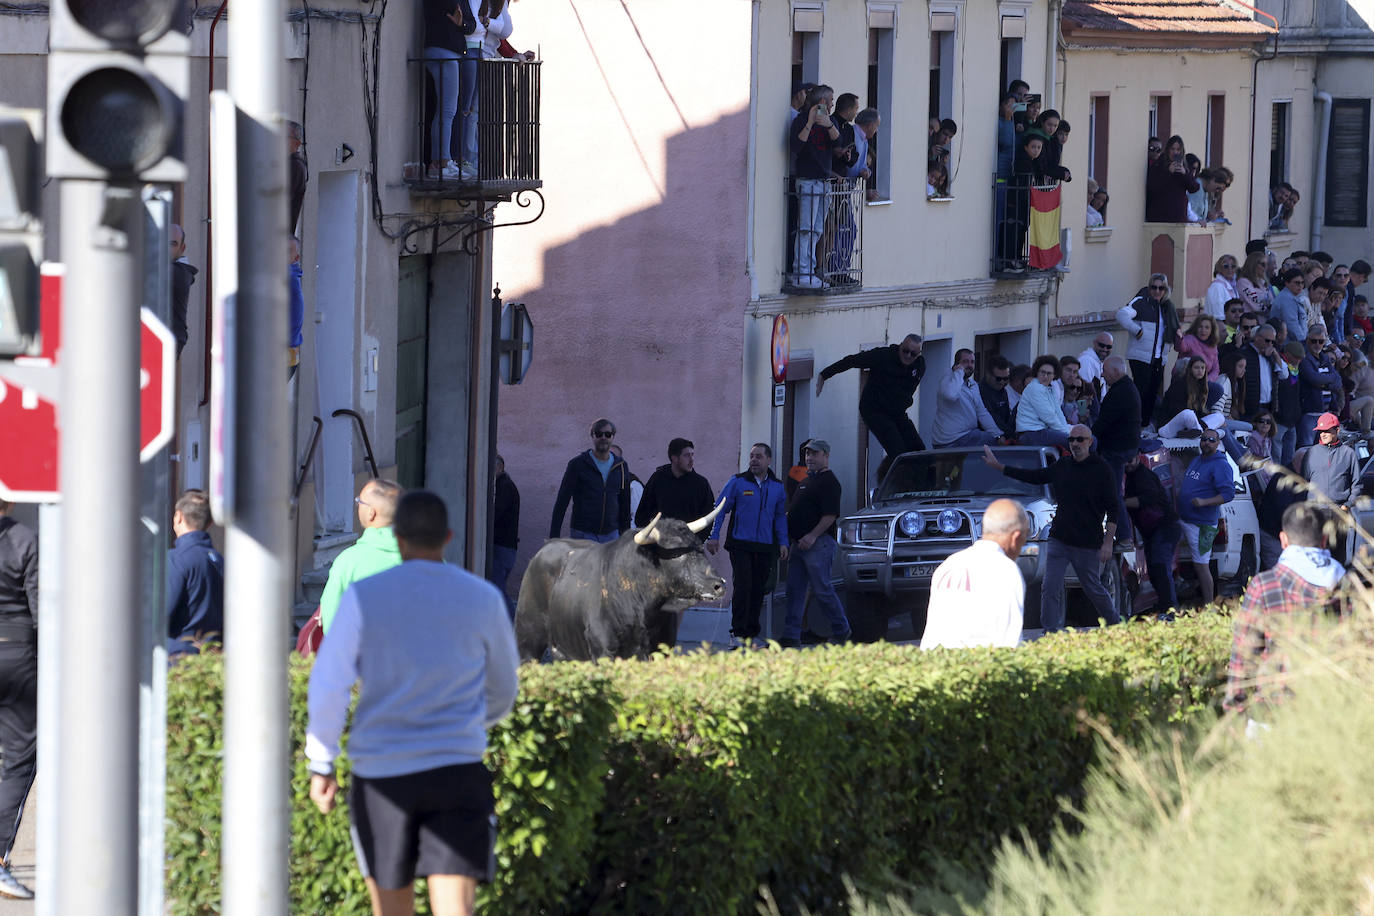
507 160
825 223
1012 255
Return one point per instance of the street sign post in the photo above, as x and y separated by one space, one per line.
29 439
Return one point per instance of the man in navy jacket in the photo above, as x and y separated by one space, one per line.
195 578
598 485
757 503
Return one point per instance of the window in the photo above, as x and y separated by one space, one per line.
942 65
1278 143
1216 130
881 33
1010 67
1347 164
1161 111
806 65
1099 130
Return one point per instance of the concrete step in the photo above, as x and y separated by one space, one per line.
312 585
329 545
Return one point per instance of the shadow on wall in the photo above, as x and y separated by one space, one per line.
640 320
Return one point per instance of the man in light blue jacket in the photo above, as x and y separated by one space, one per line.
756 502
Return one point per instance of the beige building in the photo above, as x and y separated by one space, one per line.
399 326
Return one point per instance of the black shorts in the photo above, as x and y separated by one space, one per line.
435 822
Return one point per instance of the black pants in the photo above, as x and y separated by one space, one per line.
1146 377
894 432
751 572
18 733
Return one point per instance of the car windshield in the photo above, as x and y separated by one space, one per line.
923 476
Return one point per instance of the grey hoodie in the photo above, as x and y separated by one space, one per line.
1334 473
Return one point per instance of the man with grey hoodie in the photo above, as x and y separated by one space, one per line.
1331 467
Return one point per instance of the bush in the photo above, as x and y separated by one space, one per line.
689 781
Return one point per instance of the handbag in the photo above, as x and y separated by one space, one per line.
311 635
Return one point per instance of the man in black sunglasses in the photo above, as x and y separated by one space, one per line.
1152 325
597 482
894 372
1084 496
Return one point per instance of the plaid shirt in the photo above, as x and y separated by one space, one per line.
1275 598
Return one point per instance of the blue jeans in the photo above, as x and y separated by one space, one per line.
599 538
1307 433
1159 562
1228 439
1285 443
464 142
502 562
973 437
812 567
1043 437
812 207
443 67
1089 570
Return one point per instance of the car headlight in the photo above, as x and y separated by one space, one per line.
950 521
911 524
873 531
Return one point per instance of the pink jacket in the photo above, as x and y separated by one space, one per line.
1190 346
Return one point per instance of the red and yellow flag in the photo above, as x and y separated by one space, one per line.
1044 228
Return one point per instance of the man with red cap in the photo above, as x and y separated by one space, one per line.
1331 467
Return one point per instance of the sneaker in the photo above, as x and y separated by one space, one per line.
790 643
10 886
469 171
842 638
450 173
808 282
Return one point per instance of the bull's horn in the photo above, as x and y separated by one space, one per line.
647 535
700 524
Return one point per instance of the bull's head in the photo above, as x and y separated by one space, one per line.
677 552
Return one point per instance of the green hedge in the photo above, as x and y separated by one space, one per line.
687 782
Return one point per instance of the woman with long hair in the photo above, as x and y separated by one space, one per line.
1231 404
1201 339
1039 418
1189 399
1259 448
1252 282
1048 124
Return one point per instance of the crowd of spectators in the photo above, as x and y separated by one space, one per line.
1179 189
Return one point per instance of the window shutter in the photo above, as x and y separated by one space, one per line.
1347 164
1013 26
807 20
942 21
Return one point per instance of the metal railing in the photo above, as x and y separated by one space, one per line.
824 235
1011 211
507 113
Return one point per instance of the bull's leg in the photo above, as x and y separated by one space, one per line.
531 634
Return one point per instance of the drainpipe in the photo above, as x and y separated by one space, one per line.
1319 183
751 153
1052 55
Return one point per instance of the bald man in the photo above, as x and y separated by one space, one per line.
978 596
1084 496
375 550
1090 360
183 275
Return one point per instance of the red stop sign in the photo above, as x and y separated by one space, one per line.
29 436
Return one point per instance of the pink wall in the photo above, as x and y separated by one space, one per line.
635 276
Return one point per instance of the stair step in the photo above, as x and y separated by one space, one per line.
329 546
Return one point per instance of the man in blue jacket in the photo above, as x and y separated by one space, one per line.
195 578
757 503
1206 484
597 482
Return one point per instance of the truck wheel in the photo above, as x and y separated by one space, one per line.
868 614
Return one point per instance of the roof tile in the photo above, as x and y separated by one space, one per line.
1191 17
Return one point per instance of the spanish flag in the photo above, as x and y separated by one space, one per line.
1044 228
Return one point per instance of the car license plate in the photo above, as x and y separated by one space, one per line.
921 571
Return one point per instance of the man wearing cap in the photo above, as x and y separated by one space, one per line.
811 529
1152 511
1331 467
977 595
1206 484
1084 496
1317 382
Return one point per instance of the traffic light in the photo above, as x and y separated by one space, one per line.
117 83
21 234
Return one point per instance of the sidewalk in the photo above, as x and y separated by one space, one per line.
22 857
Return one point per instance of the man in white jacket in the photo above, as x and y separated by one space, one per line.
978 596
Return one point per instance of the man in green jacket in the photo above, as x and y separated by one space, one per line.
374 552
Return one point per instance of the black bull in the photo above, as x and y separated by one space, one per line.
586 600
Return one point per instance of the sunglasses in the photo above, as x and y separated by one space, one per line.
1080 438
1156 149
1212 439
1102 346
604 434
905 352
1161 288
1001 379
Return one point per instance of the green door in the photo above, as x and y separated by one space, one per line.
412 335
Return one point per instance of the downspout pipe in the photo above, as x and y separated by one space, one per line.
751 155
1319 182
1052 55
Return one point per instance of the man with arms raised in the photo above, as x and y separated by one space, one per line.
978 596
894 372
436 655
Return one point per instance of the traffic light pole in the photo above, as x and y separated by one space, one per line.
98 632
256 818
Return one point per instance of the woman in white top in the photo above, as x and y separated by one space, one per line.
496 45
1223 288
1039 418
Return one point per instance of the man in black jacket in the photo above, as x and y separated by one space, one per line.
505 530
598 485
195 578
18 684
993 390
1118 430
1083 496
675 488
894 372
183 275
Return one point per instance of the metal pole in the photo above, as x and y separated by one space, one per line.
257 545
49 660
98 632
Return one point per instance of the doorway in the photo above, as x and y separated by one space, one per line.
412 347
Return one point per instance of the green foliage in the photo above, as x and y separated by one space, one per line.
634 787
